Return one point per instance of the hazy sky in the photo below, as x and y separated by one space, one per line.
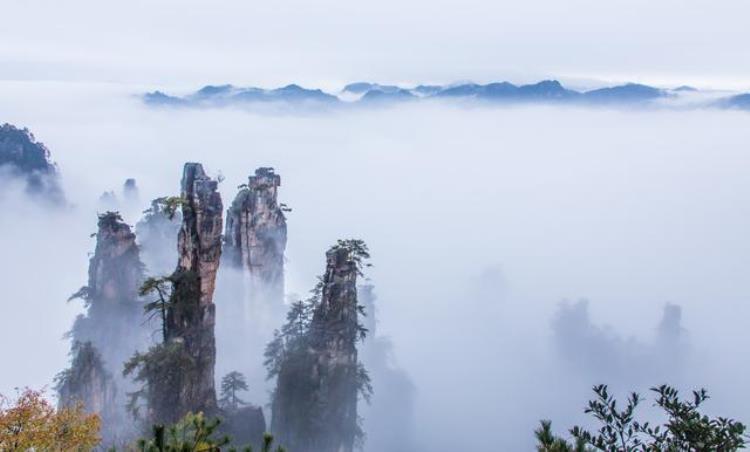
480 220
327 42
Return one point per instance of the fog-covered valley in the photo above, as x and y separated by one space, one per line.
487 226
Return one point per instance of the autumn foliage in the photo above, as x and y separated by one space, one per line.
31 422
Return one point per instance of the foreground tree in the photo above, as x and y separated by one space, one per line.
30 422
685 429
194 433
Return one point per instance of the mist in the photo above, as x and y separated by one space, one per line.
486 226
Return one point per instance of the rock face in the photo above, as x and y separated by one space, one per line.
114 311
191 314
246 425
255 237
89 383
319 375
251 277
112 328
25 158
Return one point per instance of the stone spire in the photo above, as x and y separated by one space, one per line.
255 237
111 330
319 374
191 315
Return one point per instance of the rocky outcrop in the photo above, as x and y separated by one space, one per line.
88 383
114 314
245 425
191 313
315 359
130 190
255 237
113 327
251 277
177 375
28 160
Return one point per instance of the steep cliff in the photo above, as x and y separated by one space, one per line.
87 382
25 159
255 237
191 313
112 328
177 375
314 357
114 312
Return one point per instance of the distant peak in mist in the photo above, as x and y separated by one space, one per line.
370 93
740 101
28 160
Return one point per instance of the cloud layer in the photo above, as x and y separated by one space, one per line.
480 222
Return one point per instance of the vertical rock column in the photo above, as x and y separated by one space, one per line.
315 402
191 315
256 236
334 330
111 330
115 315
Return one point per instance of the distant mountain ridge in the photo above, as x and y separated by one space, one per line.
740 101
218 95
368 93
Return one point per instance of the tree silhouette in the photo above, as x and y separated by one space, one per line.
231 384
686 428
162 287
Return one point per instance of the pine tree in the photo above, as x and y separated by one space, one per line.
231 384
313 357
158 307
686 428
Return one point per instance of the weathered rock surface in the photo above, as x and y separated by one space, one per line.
315 402
114 314
246 425
87 382
190 317
111 330
256 236
23 157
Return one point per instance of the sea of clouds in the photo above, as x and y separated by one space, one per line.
487 225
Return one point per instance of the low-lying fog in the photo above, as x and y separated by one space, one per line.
486 227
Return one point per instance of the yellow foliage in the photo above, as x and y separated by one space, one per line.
30 422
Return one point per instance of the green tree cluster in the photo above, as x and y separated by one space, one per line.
685 429
195 433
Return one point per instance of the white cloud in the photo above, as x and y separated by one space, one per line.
629 209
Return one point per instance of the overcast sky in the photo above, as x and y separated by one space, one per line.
481 220
330 42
